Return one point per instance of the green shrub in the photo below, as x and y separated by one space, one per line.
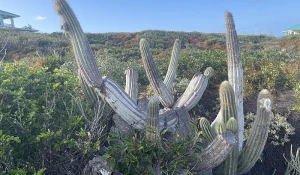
280 129
44 111
137 155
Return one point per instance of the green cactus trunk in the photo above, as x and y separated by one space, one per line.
152 130
235 72
258 133
161 90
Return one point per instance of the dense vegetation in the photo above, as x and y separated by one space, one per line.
45 123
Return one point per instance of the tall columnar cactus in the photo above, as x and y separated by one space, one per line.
258 133
240 163
174 117
235 72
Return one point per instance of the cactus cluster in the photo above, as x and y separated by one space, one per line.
221 137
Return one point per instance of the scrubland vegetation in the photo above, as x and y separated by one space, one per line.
45 123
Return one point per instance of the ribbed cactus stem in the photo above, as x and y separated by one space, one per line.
204 125
220 128
83 52
232 125
195 90
152 130
164 94
227 102
215 153
209 72
131 87
235 72
89 92
228 111
122 104
171 73
258 133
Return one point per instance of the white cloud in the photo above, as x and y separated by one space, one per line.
39 18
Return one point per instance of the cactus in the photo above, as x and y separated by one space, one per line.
152 130
232 125
228 110
171 73
235 72
195 90
174 116
258 133
204 125
131 87
220 128
161 90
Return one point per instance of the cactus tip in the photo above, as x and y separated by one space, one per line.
220 128
232 125
209 72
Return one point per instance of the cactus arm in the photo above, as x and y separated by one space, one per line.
160 89
258 133
89 92
204 125
227 102
152 130
235 72
121 103
228 111
131 87
215 153
83 53
171 73
195 90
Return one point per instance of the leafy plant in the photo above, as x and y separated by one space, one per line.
280 129
43 120
138 155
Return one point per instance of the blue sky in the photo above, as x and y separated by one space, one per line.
98 16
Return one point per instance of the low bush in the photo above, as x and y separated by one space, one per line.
44 123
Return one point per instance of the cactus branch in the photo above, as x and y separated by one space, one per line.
131 87
122 104
83 52
215 153
195 90
152 130
258 133
204 125
160 89
171 73
227 102
235 72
